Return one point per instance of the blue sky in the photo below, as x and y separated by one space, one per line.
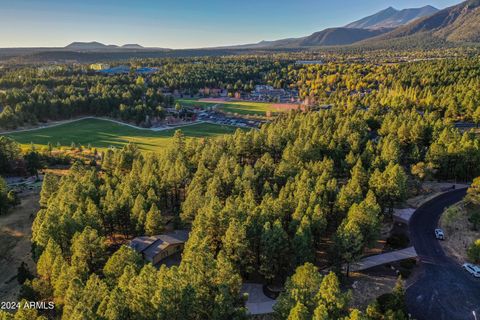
179 23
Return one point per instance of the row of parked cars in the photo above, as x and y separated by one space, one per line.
471 268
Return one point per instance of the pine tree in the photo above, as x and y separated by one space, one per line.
321 313
473 192
303 243
85 304
114 306
356 314
302 287
138 214
235 245
299 312
47 260
154 222
331 296
140 292
349 243
390 186
274 251
72 297
88 250
63 281
366 216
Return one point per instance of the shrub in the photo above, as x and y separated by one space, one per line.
408 264
398 241
474 251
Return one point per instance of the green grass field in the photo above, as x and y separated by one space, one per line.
195 103
240 107
103 134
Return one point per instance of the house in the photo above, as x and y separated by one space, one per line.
212 92
267 91
263 88
155 249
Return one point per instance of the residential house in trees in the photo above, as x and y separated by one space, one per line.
156 249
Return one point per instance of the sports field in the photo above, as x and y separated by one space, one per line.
104 134
240 107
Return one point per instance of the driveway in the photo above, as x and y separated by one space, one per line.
257 302
384 258
440 289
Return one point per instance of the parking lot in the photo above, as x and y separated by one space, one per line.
220 118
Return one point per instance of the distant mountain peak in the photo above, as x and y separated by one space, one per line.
132 46
392 18
86 45
459 23
390 9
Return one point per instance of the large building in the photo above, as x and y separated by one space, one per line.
155 249
99 66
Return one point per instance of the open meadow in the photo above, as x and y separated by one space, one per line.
251 108
104 134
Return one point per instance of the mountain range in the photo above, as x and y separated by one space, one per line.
92 46
424 27
377 24
327 37
456 24
459 23
369 27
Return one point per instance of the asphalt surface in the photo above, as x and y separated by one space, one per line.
441 288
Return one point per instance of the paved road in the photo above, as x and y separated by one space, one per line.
441 289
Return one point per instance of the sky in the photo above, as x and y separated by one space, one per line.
179 23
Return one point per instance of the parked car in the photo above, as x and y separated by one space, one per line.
472 269
439 234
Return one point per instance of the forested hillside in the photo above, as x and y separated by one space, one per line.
329 176
259 204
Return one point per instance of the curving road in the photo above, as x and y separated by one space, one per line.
441 289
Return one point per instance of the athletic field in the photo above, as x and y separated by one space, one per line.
240 107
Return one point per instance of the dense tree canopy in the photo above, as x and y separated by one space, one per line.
447 86
259 204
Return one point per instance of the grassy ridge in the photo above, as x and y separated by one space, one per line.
103 134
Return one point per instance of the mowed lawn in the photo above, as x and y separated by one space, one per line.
240 107
104 134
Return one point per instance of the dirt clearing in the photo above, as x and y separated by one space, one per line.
15 234
368 286
459 234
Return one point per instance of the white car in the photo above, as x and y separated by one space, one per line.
472 269
439 234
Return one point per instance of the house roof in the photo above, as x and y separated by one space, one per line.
151 246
